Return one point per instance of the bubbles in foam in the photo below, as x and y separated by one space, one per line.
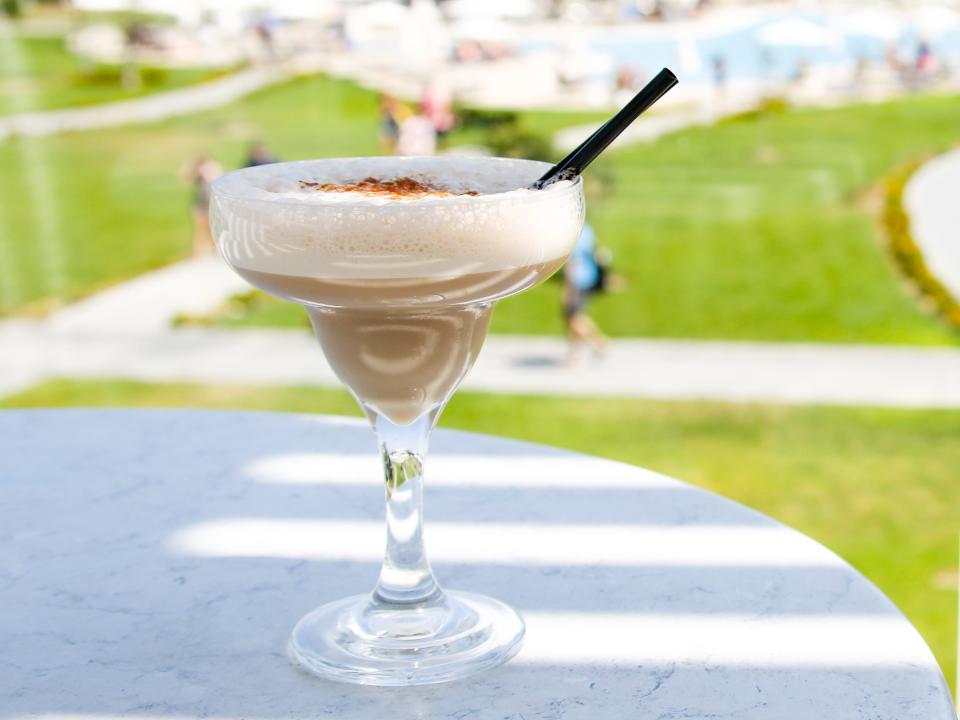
264 220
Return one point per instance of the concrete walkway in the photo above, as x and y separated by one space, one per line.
931 200
125 333
678 370
151 108
650 127
147 304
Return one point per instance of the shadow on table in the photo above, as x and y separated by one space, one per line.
105 615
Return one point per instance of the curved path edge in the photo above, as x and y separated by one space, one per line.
159 106
932 203
125 333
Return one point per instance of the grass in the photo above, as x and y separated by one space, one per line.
44 75
905 251
754 229
759 229
82 210
880 487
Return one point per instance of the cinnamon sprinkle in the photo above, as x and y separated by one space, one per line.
405 188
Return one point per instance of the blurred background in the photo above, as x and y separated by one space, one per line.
767 210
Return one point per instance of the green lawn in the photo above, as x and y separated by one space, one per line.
82 210
880 487
760 229
757 229
38 73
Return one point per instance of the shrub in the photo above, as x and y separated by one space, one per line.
766 108
505 135
906 253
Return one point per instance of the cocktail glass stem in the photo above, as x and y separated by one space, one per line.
405 577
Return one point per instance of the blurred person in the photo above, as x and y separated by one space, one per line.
139 34
801 71
496 50
583 276
437 104
925 62
417 136
468 52
892 59
200 173
265 34
626 84
390 112
861 70
259 154
719 66
627 79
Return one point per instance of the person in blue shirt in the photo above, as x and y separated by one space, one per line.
583 276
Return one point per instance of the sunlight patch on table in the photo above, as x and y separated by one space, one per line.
511 543
728 640
570 471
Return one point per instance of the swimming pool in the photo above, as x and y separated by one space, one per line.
769 45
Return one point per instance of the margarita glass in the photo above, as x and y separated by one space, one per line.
399 289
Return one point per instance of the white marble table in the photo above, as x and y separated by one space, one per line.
153 563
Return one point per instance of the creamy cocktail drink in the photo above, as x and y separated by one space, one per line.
398 262
397 278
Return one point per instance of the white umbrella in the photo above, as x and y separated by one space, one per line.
497 30
325 10
489 9
873 23
797 32
376 24
410 38
932 22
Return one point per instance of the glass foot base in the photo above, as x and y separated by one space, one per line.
364 640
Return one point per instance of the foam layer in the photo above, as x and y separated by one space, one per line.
264 219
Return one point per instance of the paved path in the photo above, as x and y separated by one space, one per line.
140 308
648 128
684 370
931 200
158 106
147 304
644 129
125 333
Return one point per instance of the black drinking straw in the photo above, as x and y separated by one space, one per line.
584 154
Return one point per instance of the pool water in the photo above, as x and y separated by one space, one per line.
691 47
